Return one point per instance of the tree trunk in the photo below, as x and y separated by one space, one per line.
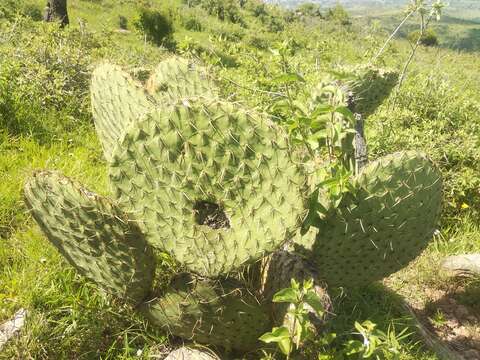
56 10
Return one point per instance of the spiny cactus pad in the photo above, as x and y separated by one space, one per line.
211 184
117 100
369 84
177 78
92 234
384 225
210 312
371 87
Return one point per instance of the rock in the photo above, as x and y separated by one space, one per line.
462 264
472 355
472 319
462 332
462 313
11 327
186 353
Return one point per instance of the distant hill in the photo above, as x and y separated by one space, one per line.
469 9
458 29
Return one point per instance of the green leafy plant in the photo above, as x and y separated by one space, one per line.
375 343
301 298
429 38
157 26
290 337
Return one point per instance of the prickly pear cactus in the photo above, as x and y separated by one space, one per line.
222 313
216 187
117 101
177 78
210 183
370 86
92 234
383 225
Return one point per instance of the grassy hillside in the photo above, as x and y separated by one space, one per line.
46 122
455 30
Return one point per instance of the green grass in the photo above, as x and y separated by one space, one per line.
437 111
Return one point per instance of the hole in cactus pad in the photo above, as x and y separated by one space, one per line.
210 214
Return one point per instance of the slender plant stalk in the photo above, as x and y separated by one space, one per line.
392 35
423 27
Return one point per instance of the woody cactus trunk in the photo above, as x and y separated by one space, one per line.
217 187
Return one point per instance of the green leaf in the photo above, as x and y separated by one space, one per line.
345 111
328 339
321 134
353 347
307 284
287 295
276 335
288 78
295 285
322 109
285 346
320 122
312 299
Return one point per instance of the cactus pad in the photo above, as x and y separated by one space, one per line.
370 85
92 234
211 184
176 78
210 312
384 225
117 100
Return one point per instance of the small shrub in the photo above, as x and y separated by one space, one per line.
258 42
43 83
192 23
156 26
309 9
229 33
339 14
32 11
10 8
429 38
122 22
192 3
258 9
223 10
274 23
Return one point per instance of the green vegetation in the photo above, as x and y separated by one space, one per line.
267 59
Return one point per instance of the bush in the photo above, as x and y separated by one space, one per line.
338 13
32 11
273 23
10 8
229 32
192 23
223 10
309 9
44 83
429 38
156 26
258 9
258 42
